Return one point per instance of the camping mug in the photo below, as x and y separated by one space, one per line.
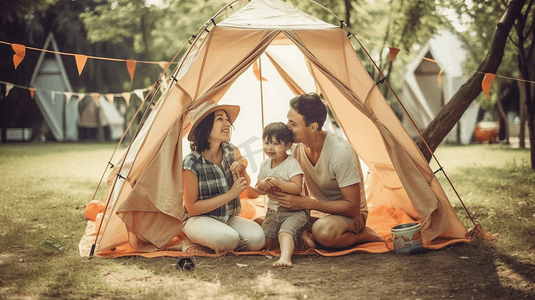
406 238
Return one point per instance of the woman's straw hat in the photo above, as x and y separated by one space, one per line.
197 114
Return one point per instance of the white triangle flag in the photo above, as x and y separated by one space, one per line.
68 95
81 96
9 86
139 93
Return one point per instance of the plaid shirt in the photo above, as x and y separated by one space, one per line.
214 182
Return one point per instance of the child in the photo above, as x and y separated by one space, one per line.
281 171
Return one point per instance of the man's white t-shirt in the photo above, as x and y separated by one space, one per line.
338 166
285 171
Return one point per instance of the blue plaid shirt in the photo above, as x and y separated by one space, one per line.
214 182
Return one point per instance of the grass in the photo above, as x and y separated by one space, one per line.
42 187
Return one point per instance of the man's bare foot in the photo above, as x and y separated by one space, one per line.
368 235
282 263
308 240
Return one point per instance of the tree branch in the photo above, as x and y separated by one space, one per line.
450 113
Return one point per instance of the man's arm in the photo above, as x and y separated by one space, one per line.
349 205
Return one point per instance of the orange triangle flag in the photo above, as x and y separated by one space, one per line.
96 96
487 82
131 65
256 71
32 91
164 65
20 52
126 96
109 97
439 79
80 62
393 53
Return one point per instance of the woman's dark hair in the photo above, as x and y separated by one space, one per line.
311 107
280 131
201 133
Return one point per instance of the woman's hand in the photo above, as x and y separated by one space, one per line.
237 168
240 184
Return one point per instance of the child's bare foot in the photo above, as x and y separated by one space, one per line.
282 263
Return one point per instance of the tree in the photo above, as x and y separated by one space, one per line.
525 42
450 113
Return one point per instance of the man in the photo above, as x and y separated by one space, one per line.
333 178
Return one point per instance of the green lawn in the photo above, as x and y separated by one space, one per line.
43 185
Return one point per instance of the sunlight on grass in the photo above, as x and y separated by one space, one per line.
43 186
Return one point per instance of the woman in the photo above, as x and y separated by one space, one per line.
214 176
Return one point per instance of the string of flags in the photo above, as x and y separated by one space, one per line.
20 53
68 95
80 59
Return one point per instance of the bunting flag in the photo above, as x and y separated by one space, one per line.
110 97
20 52
9 86
68 96
439 78
126 97
256 71
393 53
139 93
80 62
131 65
81 96
487 82
95 97
164 65
32 91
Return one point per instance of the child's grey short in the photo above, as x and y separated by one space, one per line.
292 222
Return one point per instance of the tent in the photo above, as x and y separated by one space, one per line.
49 75
259 57
109 117
423 95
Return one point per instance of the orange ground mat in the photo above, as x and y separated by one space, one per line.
381 219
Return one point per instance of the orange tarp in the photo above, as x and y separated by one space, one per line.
381 219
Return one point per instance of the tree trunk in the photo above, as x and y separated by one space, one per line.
523 114
503 116
451 113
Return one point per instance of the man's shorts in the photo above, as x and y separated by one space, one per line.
292 222
355 224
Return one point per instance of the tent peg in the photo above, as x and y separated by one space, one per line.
120 176
111 165
92 251
213 21
439 169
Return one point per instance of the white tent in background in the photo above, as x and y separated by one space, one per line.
109 116
49 75
421 93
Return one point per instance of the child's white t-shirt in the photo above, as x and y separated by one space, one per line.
284 171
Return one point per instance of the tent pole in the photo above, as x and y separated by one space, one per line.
261 89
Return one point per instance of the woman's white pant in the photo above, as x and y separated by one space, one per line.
238 233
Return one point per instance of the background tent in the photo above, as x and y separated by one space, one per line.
49 75
423 96
109 119
260 57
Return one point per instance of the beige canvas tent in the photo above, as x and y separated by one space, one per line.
261 56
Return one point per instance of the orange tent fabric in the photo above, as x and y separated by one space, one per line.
296 53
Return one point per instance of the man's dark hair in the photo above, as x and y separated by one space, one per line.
311 107
201 133
280 131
